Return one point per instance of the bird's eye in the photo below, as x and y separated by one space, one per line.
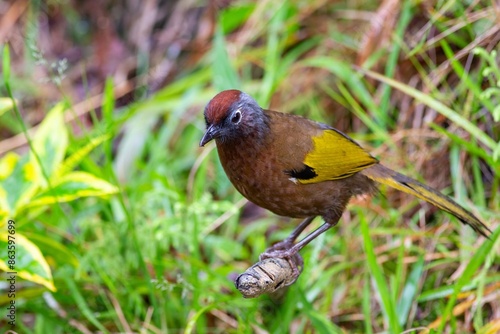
236 118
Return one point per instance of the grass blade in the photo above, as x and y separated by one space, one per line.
367 310
388 307
409 291
475 261
436 105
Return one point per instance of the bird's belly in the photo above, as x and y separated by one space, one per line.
262 180
284 197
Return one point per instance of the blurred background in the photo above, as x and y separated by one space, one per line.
122 224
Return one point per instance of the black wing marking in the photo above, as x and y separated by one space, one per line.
305 173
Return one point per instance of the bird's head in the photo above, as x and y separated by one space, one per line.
233 115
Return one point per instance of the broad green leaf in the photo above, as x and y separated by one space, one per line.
50 142
6 104
18 183
73 186
25 259
52 247
7 165
72 161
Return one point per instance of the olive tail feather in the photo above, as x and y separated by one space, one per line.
384 175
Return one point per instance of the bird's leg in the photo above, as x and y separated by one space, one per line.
287 250
288 242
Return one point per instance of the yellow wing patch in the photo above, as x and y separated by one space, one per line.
334 157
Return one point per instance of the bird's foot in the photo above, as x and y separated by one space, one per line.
285 250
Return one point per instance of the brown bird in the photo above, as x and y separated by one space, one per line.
299 168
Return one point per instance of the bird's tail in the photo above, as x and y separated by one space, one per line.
384 175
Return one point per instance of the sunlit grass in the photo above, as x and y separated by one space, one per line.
160 256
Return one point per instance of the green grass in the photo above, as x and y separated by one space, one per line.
158 253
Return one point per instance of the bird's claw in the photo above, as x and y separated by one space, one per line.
285 250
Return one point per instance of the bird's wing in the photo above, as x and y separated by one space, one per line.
334 156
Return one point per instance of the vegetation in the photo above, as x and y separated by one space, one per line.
123 224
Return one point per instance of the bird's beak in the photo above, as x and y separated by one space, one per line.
210 134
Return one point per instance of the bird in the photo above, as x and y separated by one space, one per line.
299 168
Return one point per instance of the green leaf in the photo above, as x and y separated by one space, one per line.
388 305
321 322
475 262
496 153
72 161
496 114
367 308
25 259
73 186
53 248
108 101
194 317
18 183
234 16
409 291
50 141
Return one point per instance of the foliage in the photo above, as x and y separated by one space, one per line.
124 225
32 183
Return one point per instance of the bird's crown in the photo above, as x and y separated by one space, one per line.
219 107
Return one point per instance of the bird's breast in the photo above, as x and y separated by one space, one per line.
261 177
